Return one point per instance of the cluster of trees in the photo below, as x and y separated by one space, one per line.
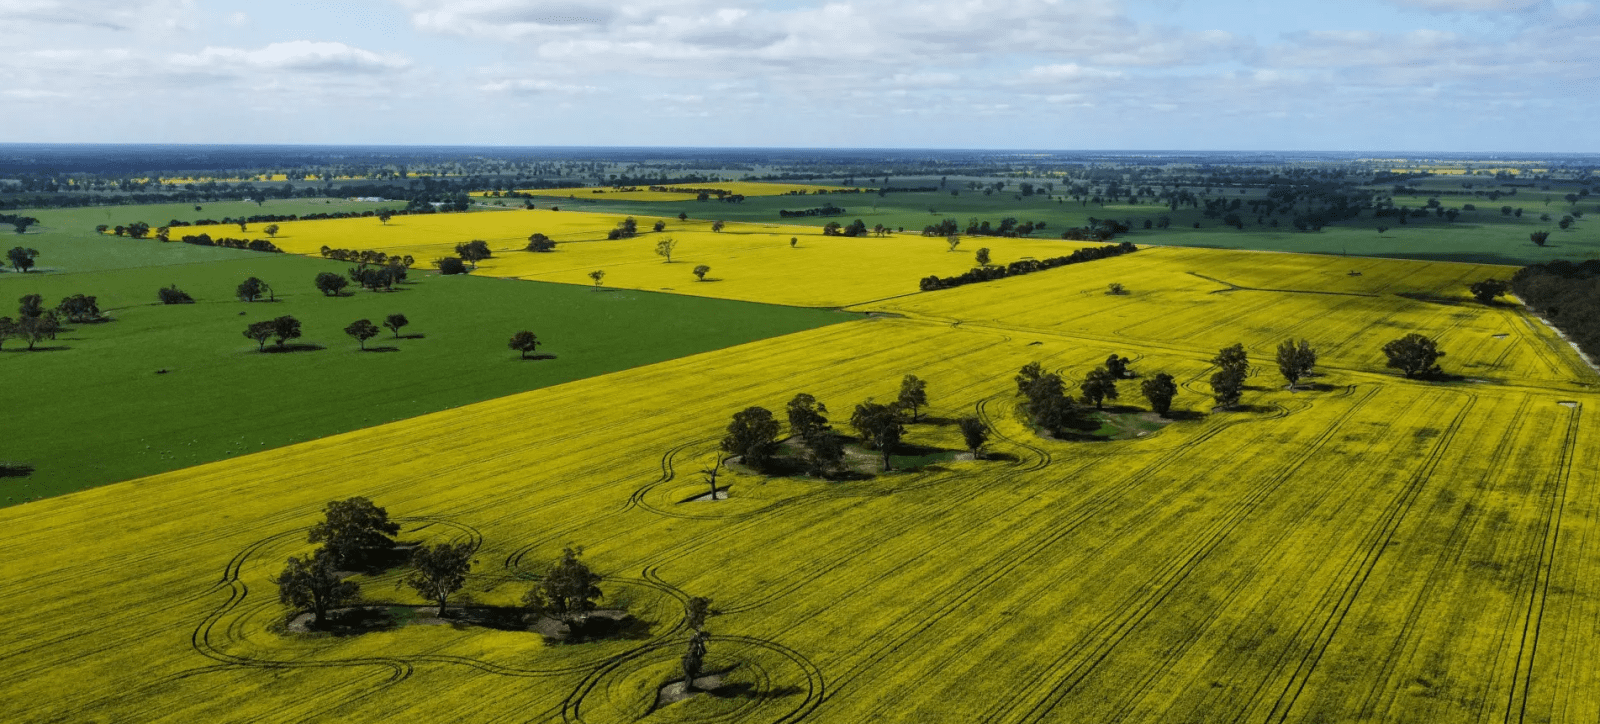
1047 405
1486 290
21 258
1568 295
18 222
366 256
1097 230
173 295
628 229
856 228
473 251
250 244
1009 227
282 328
540 242
1026 266
823 210
35 323
363 329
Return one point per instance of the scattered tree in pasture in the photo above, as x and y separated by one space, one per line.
598 276
1116 289
664 248
385 215
524 342
354 531
394 322
683 216
1413 354
751 435
694 658
879 427
1486 290
21 258
439 570
1098 386
362 330
36 329
1295 360
313 583
173 295
251 289
284 329
567 592
628 229
982 256
701 271
660 226
718 225
79 308
473 251
975 434
1117 366
272 230
1382 229
540 242
953 241
260 332
330 283
913 394
1227 385
451 265
1539 237
1160 390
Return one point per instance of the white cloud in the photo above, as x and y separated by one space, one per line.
304 56
1475 6
141 16
528 86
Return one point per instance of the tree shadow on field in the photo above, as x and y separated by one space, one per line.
1313 387
15 470
418 335
291 347
1184 415
385 348
536 357
42 348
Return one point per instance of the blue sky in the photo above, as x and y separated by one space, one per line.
1416 75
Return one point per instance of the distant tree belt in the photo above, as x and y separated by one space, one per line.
906 189
14 219
1027 266
824 210
251 244
270 218
1568 295
451 193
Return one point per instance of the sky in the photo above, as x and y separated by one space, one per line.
1351 75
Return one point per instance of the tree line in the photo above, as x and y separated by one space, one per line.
1568 295
1025 266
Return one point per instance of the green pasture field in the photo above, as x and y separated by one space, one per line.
91 407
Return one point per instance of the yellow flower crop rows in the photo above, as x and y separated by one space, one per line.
743 188
1369 548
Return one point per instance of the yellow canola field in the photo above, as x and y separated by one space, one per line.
752 262
643 193
1364 549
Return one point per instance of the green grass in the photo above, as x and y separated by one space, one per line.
90 408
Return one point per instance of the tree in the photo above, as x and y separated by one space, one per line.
710 474
1116 289
879 427
808 418
79 308
1295 360
717 225
173 295
140 230
362 330
701 271
1098 386
598 276
1539 237
272 230
568 591
385 215
354 531
440 570
682 216
983 256
1117 366
824 453
695 613
394 322
30 305
664 248
1227 384
1486 290
313 583
913 394
794 241
524 342
1233 357
1413 355
975 434
451 265
660 226
953 241
540 242
260 332
473 251
22 259
1382 229
251 289
285 328
34 329
8 329
331 283
1160 390
694 658
751 435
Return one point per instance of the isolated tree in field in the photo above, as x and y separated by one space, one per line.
272 230
808 418
473 251
1382 229
394 322
313 583
1539 237
694 658
21 258
1227 385
524 342
598 275
385 215
1295 360
568 591
284 329
173 295
751 435
659 226
1486 290
982 256
975 434
701 271
79 308
953 241
913 394
1160 390
540 242
362 330
1414 355
451 265
1116 289
354 531
251 289
1117 366
260 332
330 283
439 570
717 225
1098 386
682 216
664 248
879 427
794 241
710 474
